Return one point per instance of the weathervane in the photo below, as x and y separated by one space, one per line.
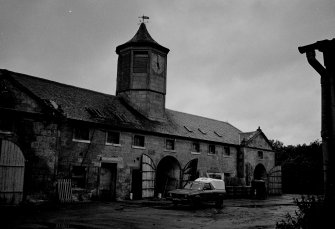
143 19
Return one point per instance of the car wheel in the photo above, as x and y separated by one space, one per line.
195 202
219 204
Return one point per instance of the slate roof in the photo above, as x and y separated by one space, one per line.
142 38
91 106
247 136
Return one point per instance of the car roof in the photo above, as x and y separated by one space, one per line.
217 183
207 180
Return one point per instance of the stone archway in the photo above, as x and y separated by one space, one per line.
260 172
167 175
259 184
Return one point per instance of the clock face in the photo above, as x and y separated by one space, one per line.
157 63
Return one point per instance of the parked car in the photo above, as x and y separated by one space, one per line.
201 190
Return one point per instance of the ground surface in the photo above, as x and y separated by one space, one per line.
237 213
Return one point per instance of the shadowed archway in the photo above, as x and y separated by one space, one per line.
260 172
167 175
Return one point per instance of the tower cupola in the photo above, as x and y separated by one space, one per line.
141 74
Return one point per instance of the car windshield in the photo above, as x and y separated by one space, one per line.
194 186
218 184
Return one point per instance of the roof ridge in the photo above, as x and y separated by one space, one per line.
212 119
249 132
55 82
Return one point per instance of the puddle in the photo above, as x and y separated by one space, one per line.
57 226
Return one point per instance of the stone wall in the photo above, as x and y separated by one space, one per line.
251 156
128 157
36 135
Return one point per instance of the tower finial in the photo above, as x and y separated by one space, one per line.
143 19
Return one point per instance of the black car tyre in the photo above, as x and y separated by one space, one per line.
195 202
219 204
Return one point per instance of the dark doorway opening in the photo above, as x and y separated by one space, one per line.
260 172
108 181
167 175
136 184
259 184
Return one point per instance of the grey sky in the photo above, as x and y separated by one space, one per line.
230 60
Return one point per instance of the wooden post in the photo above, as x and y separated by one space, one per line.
327 73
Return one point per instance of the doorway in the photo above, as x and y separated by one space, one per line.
136 184
260 172
12 164
167 175
108 181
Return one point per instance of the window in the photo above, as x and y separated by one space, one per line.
260 154
207 186
81 134
196 147
227 150
7 98
211 149
78 176
6 125
138 141
113 138
140 63
169 144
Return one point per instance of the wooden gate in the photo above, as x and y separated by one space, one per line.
275 181
64 190
189 173
11 172
148 170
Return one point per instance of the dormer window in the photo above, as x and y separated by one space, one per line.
188 129
140 62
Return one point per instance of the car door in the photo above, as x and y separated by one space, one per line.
207 192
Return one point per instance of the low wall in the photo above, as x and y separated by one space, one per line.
238 191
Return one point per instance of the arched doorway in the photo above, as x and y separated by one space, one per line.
12 164
167 175
260 172
259 184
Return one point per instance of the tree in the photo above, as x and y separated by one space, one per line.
301 167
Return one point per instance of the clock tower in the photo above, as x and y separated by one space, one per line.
141 74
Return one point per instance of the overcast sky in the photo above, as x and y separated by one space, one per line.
230 60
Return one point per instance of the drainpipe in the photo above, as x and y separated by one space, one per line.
327 47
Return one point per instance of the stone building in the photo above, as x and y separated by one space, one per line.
111 146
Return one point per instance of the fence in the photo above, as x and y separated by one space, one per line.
64 190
